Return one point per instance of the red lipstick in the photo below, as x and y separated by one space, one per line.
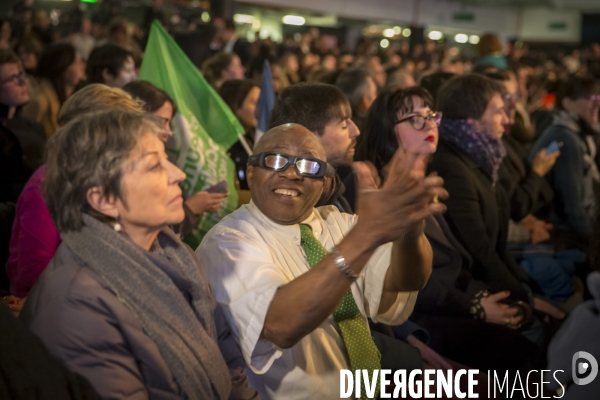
430 138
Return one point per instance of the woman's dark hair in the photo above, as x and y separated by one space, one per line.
235 91
152 97
53 63
433 82
576 88
109 57
378 142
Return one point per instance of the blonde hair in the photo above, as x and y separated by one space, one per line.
96 97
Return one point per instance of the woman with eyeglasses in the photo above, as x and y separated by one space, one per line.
464 319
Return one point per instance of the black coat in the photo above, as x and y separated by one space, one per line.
478 217
451 286
526 190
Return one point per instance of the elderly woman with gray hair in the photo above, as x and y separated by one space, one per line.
124 302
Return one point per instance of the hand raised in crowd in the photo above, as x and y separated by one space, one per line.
404 200
542 163
204 201
499 313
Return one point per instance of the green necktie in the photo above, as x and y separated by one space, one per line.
361 349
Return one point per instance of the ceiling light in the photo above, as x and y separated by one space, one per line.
461 38
384 43
243 18
397 30
293 20
389 33
435 35
473 39
406 32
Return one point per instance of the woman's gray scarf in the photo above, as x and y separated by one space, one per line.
182 328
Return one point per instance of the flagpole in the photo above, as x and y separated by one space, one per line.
245 144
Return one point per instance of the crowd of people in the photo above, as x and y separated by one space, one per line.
408 208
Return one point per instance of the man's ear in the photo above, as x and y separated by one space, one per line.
249 173
107 76
99 202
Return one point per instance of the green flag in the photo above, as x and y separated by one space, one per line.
203 129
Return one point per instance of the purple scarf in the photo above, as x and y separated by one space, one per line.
485 150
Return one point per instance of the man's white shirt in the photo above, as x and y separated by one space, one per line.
248 257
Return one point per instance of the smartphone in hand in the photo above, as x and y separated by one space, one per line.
220 187
553 146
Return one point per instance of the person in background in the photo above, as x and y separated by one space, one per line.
83 40
23 141
5 34
60 69
29 50
124 302
433 82
255 69
464 318
34 238
111 65
119 35
325 111
400 79
574 177
29 134
221 68
468 158
284 256
359 87
290 67
490 52
42 27
241 96
377 71
525 187
158 102
233 44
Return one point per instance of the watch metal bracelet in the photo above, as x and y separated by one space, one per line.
340 263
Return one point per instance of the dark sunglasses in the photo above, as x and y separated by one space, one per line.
305 166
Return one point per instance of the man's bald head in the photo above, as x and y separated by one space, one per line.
283 136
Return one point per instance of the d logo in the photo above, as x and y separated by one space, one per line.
582 367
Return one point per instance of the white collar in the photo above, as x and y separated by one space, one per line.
290 232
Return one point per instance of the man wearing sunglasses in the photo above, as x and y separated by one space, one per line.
325 111
297 283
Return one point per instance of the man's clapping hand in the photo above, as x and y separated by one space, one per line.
405 199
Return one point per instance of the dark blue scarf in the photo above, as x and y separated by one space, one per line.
485 150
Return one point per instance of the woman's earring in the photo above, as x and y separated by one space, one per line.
117 227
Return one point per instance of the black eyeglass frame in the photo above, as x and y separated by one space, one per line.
324 168
429 117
